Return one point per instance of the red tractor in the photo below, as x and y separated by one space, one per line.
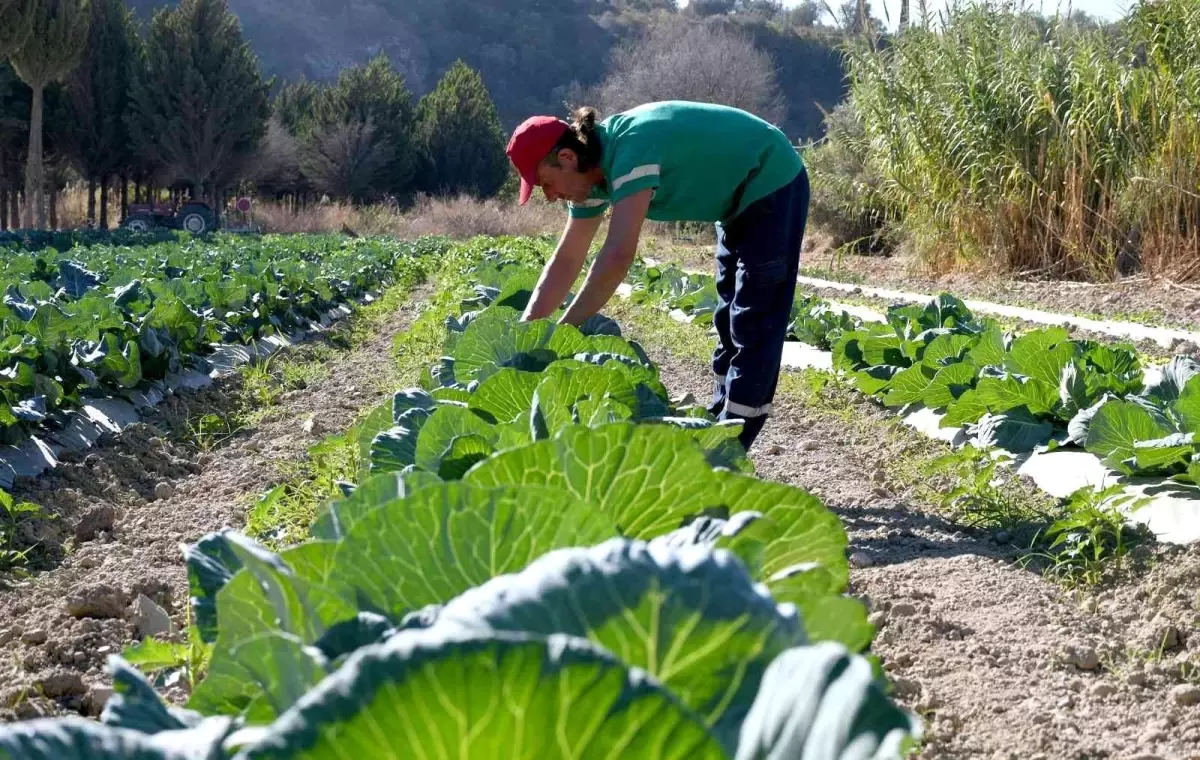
192 216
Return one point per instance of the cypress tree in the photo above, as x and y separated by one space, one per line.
52 51
461 137
293 106
98 95
199 104
366 119
16 22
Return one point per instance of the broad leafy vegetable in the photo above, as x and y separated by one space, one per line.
100 321
544 557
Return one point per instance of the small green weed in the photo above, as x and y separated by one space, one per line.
13 514
296 375
820 391
210 430
283 515
979 495
189 659
370 318
264 383
259 387
655 328
1090 536
835 272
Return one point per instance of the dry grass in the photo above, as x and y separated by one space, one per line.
71 208
461 217
458 218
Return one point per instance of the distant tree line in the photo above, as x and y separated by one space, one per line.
366 138
180 106
532 53
177 105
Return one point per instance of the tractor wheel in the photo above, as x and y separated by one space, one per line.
194 223
139 223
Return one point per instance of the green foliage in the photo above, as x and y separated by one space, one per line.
98 91
13 515
1091 537
460 136
198 102
33 241
812 320
1047 147
1148 433
294 104
360 142
58 34
1014 392
968 484
601 589
18 23
846 199
103 320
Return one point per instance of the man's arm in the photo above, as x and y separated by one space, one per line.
562 268
613 261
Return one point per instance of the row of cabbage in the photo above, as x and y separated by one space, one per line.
107 320
812 319
64 240
1009 390
544 556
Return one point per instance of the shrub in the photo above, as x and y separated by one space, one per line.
1048 148
847 202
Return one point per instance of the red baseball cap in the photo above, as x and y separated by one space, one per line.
530 144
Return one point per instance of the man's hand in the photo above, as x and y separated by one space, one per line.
562 268
613 261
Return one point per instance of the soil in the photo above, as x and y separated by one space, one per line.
123 512
999 661
1137 298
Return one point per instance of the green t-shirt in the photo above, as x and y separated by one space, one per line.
695 156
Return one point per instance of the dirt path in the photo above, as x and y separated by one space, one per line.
1000 662
123 512
1133 299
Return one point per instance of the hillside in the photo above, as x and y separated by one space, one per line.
529 52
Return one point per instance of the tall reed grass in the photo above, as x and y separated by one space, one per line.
1044 147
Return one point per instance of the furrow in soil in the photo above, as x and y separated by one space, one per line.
124 512
998 661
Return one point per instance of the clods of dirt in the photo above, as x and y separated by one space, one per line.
998 661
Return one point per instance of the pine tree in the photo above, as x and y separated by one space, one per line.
366 118
98 94
461 136
199 105
293 106
52 51
16 22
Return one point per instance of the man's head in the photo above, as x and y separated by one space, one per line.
563 159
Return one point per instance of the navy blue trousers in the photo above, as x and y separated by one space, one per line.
758 259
